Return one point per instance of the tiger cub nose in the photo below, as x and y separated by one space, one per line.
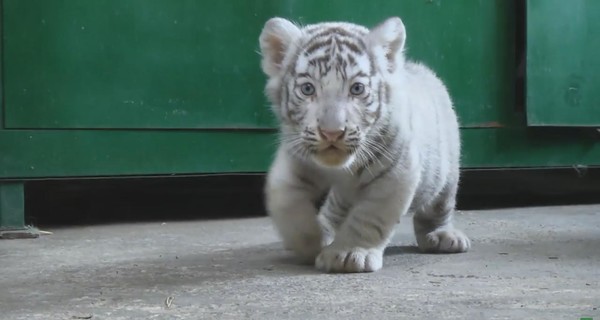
332 135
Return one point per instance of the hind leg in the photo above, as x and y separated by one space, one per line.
433 225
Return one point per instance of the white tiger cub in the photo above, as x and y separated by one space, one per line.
373 134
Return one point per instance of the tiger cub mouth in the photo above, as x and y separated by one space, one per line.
333 155
332 148
335 146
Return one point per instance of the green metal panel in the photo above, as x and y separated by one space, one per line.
193 64
61 153
65 153
12 205
133 64
563 82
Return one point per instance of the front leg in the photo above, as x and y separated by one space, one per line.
290 202
333 213
363 236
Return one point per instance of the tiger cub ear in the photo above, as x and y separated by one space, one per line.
387 43
277 36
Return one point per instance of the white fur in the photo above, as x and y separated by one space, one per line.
418 172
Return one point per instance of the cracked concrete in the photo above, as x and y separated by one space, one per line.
533 263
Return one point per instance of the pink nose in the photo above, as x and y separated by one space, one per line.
332 136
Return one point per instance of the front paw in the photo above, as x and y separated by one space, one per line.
444 241
335 259
306 246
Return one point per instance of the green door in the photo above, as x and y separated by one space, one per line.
133 64
563 63
186 64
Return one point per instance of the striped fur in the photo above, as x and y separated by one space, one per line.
395 146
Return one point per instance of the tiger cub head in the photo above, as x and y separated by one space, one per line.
327 84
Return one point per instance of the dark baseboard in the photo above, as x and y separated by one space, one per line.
92 201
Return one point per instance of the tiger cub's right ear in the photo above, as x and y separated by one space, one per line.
276 37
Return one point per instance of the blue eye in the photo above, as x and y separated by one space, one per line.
307 89
357 89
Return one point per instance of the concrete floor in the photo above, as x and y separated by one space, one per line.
536 263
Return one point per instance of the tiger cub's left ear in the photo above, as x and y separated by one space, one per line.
277 36
387 43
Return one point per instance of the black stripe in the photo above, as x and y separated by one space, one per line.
287 101
299 97
360 74
379 106
356 48
311 29
334 217
380 174
339 60
301 118
341 67
304 75
347 260
336 30
353 229
316 46
293 115
387 93
306 181
335 213
371 224
372 65
383 140
323 64
339 203
351 60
